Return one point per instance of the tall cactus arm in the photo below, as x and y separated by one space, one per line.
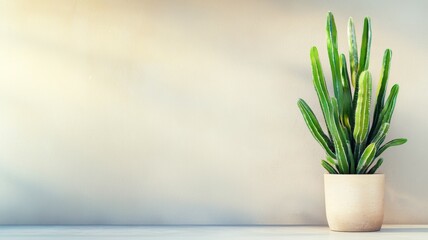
392 143
381 88
347 117
338 138
365 46
320 85
315 128
363 64
366 158
380 135
333 55
353 51
376 166
386 113
330 169
362 111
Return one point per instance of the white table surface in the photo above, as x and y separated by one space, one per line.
390 232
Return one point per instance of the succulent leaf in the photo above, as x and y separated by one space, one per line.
333 55
381 89
320 85
315 127
380 135
390 106
376 166
353 51
350 157
386 113
365 46
392 143
331 161
366 158
330 169
338 138
347 95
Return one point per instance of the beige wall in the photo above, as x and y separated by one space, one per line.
185 111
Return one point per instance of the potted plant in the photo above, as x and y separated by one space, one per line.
353 191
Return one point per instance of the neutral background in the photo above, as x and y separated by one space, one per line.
184 112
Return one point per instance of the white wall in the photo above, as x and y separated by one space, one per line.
180 112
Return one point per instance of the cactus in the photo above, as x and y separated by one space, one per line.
352 144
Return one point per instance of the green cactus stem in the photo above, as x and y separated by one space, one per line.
351 143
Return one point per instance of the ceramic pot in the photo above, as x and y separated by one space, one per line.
354 202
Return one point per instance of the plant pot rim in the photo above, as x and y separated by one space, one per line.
355 175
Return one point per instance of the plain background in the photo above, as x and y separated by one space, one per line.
184 112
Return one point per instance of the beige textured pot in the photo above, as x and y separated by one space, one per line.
354 203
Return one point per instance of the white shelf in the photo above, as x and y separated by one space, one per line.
389 232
